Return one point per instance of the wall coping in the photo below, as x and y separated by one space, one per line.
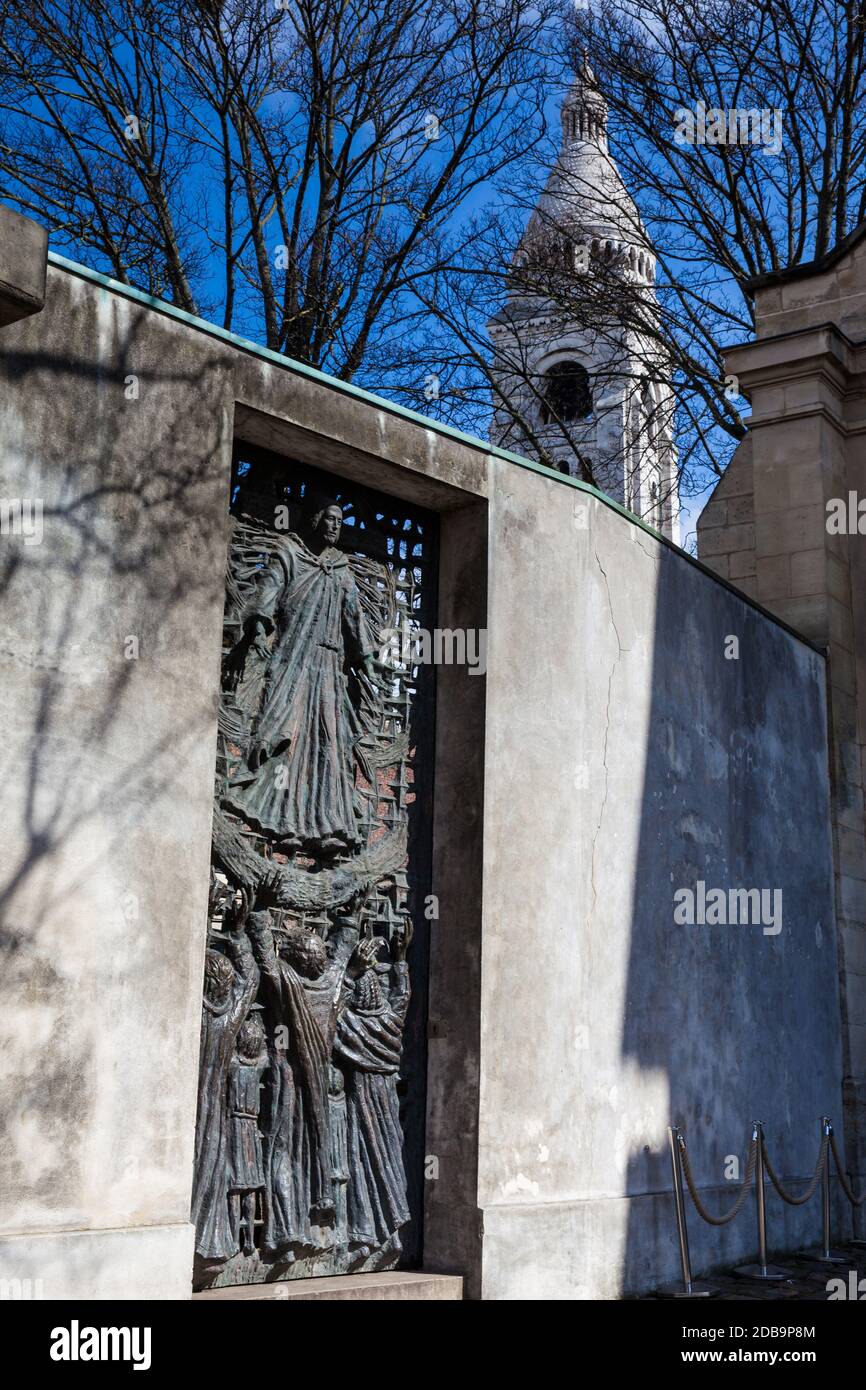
819 266
279 359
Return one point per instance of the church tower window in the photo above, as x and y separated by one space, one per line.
567 395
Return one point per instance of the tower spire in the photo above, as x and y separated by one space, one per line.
584 111
580 382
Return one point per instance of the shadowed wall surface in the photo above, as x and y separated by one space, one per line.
773 525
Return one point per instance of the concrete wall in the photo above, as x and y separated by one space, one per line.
647 761
805 376
107 768
610 755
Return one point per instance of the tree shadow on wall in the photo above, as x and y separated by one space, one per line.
111 642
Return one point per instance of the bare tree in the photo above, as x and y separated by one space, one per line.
294 168
771 174
565 275
347 180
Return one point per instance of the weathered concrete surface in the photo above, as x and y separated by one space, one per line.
609 748
348 1288
540 1251
23 254
110 650
143 1262
627 758
453 1224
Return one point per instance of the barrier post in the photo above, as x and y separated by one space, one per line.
691 1288
762 1270
824 1255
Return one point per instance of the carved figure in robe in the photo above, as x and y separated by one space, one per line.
230 983
299 779
339 1156
301 985
325 998
367 1049
296 1137
246 1171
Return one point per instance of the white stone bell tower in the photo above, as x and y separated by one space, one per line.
579 372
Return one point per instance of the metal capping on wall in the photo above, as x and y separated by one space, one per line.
471 441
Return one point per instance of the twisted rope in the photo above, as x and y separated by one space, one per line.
846 1186
741 1197
816 1177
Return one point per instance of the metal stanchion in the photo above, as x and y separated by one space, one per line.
761 1270
691 1288
824 1255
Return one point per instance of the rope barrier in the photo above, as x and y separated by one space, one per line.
846 1186
757 1161
741 1196
813 1185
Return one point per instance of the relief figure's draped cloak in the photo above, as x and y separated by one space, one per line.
245 1150
368 1047
297 1141
299 781
220 1026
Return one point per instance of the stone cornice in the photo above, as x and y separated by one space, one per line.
807 268
823 354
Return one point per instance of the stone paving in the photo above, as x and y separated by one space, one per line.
807 1284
